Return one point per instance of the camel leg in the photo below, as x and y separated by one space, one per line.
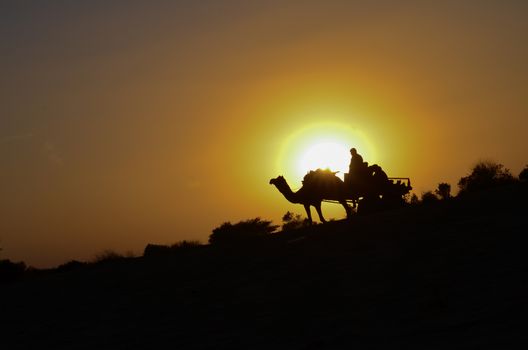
347 208
308 212
319 211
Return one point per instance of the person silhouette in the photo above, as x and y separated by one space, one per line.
378 174
379 179
356 162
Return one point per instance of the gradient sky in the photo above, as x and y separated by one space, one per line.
124 123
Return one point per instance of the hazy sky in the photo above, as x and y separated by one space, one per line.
124 123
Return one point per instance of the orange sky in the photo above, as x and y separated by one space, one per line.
153 122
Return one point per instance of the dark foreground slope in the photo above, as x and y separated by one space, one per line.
452 275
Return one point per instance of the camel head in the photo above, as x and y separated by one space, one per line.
277 181
280 183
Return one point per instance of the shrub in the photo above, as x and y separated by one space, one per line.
71 265
485 174
184 245
523 175
443 191
161 250
242 232
292 221
107 256
413 200
11 271
156 250
429 197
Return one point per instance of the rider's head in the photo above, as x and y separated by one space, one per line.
353 151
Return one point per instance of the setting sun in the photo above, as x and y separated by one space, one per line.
323 145
325 155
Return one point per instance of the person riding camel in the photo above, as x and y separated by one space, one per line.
356 162
357 168
355 176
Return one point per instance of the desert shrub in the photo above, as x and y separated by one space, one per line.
130 254
413 199
443 191
242 232
185 245
71 265
161 250
156 250
485 174
523 175
292 221
429 197
11 271
108 255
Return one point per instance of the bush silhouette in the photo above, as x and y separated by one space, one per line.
11 271
162 250
413 199
71 265
443 191
108 256
242 232
183 245
523 175
485 174
429 197
292 221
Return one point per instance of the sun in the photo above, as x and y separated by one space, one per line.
325 155
322 145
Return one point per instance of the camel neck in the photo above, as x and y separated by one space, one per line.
287 192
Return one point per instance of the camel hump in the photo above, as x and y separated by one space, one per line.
320 176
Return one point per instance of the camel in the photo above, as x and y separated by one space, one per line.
317 185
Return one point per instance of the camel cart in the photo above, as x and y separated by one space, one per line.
369 195
369 192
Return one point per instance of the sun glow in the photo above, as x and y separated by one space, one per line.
325 155
321 145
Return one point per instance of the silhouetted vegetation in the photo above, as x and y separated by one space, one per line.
183 245
292 221
152 250
429 197
443 191
523 175
242 232
11 271
156 250
484 175
414 200
107 255
71 265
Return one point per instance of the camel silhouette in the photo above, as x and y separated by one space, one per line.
317 185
